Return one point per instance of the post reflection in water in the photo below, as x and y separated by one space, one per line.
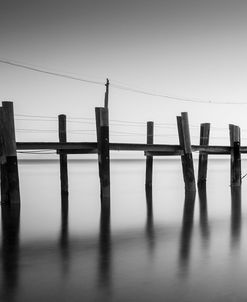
204 226
186 232
235 215
10 251
64 235
150 235
105 250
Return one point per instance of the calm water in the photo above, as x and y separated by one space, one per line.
179 250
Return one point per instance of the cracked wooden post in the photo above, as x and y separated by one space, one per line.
10 186
63 157
203 156
234 132
149 159
102 128
186 157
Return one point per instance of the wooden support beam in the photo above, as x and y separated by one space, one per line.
203 157
149 159
11 179
56 146
102 128
164 153
154 150
234 132
78 151
63 157
186 158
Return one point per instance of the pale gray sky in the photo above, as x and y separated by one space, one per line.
194 49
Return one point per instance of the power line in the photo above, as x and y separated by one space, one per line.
117 86
66 76
175 98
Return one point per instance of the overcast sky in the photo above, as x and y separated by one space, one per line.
192 49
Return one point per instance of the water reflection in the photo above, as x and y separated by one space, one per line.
10 250
105 250
204 226
186 232
64 235
150 235
235 215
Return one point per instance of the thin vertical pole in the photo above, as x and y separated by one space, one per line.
63 157
203 157
8 126
102 127
106 93
186 158
149 159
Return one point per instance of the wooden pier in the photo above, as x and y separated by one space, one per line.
10 192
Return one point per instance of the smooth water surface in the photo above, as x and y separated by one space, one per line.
157 245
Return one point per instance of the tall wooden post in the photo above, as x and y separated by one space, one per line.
234 132
63 157
149 159
102 128
4 176
186 158
10 177
203 157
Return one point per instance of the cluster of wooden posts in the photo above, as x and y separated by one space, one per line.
10 193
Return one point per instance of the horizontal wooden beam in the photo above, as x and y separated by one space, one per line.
78 151
212 149
54 145
154 149
143 147
163 153
90 147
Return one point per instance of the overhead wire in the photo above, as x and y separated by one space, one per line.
116 86
114 122
44 71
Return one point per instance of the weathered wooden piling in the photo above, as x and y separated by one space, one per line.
187 229
149 158
105 249
10 250
63 157
186 157
203 208
234 132
236 214
4 176
102 128
10 178
203 156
